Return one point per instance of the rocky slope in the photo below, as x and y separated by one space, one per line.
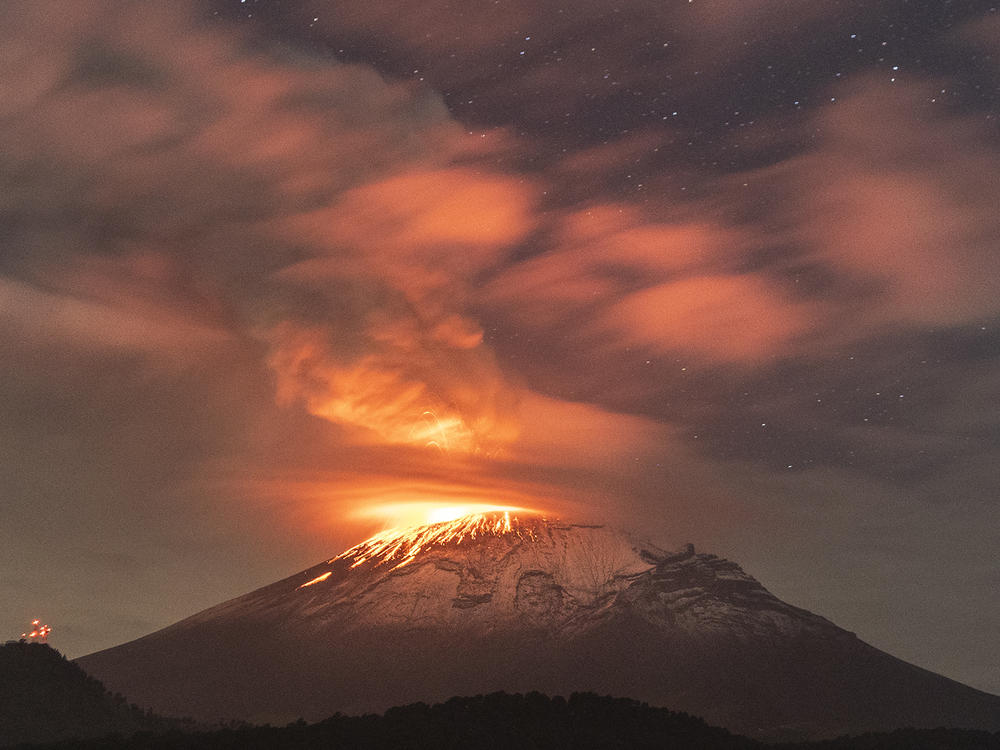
492 602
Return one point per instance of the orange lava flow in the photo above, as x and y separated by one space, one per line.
404 544
317 579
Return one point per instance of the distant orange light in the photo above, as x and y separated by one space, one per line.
38 631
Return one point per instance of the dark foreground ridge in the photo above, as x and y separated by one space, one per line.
518 722
44 697
49 702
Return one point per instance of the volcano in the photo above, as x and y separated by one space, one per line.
495 602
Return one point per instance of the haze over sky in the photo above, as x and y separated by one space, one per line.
713 271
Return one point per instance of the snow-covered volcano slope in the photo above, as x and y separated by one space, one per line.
494 602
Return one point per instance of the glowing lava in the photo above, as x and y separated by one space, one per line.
317 579
402 545
405 544
410 512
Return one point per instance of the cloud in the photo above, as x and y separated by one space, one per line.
582 436
885 222
30 315
616 280
898 196
413 369
167 182
599 254
457 217
409 390
721 318
300 243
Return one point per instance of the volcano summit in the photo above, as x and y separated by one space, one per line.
499 601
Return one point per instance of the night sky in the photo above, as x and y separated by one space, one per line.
277 273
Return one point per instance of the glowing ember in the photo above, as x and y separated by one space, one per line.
317 579
38 632
403 545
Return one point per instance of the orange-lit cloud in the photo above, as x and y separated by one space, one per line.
449 399
416 371
317 209
559 433
599 255
345 233
450 216
896 240
619 281
918 228
722 318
